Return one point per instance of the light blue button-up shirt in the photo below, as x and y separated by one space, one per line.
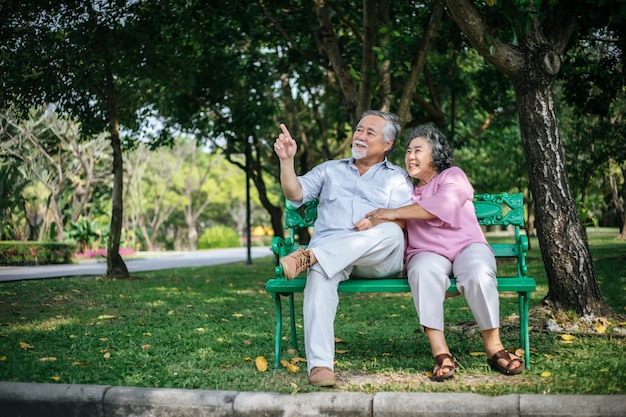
345 196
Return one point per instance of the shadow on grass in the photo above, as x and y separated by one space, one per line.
203 328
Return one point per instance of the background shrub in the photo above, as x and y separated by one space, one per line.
219 237
18 253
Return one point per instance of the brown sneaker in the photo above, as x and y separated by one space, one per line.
296 262
322 376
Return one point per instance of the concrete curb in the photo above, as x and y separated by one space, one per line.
20 399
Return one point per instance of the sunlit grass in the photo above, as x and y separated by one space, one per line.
204 327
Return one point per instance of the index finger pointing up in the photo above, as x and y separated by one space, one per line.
285 131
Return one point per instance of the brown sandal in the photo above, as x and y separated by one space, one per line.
506 370
451 369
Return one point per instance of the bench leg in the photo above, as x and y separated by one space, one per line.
279 327
292 314
523 327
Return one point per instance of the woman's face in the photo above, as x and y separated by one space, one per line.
418 159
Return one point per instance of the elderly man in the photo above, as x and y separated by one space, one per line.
344 241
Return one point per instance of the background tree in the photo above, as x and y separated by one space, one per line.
11 198
593 94
90 60
55 158
531 58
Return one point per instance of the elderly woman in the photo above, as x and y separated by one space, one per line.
444 238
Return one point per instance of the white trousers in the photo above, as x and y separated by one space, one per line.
372 253
475 272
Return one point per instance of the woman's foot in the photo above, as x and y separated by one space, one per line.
445 367
506 363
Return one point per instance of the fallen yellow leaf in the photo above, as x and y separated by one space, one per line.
107 355
238 315
48 359
247 342
3 358
490 3
104 339
338 340
567 337
342 351
105 316
261 363
519 352
546 374
295 388
25 345
601 329
477 353
145 347
55 378
289 366
297 359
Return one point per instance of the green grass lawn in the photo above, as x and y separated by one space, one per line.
204 328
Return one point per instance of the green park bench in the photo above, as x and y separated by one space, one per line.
491 209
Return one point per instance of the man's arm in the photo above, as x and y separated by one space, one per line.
285 147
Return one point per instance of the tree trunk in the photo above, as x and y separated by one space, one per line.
562 238
619 198
116 268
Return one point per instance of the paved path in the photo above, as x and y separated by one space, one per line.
144 261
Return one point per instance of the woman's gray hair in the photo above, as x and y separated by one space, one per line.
441 151
392 128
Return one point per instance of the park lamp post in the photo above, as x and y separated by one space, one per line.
231 149
248 234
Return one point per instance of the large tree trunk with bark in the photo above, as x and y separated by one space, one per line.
562 238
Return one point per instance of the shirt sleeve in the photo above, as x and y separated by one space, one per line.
311 183
402 192
452 191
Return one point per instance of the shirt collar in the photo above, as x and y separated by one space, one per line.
351 162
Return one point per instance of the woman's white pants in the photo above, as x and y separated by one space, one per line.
475 272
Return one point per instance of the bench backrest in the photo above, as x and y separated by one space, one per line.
491 210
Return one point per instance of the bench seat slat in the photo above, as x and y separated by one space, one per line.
279 285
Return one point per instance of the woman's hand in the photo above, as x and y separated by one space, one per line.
381 214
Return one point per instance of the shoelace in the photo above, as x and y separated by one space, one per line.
303 260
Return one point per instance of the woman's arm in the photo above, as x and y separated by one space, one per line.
412 211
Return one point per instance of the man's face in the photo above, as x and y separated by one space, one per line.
367 139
